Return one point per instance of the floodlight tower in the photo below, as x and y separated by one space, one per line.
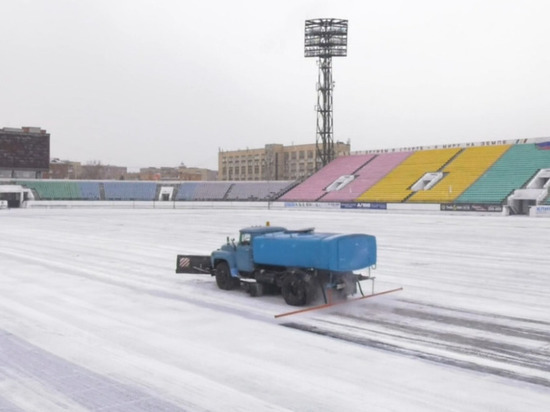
325 38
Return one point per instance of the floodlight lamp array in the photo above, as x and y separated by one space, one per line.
326 38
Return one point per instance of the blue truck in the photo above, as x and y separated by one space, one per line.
302 264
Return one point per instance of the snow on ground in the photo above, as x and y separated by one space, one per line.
93 317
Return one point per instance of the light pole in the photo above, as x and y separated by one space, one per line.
325 38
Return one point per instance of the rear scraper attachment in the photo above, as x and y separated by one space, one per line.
329 302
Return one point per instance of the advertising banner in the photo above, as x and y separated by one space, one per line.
470 207
360 205
539 211
313 205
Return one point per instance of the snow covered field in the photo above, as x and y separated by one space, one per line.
93 317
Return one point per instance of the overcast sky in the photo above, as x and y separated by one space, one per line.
159 82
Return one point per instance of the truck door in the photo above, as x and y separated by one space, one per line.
244 253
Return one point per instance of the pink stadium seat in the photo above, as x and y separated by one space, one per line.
314 186
367 176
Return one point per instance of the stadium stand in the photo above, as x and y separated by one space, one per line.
313 187
130 190
89 190
512 171
149 191
367 176
211 190
53 190
484 173
186 191
395 187
256 190
463 170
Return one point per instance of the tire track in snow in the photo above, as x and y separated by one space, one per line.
459 343
413 332
25 362
373 343
472 312
162 288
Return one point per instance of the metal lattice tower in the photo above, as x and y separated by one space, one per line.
325 38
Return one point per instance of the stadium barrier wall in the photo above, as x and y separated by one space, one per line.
419 207
138 204
306 206
309 206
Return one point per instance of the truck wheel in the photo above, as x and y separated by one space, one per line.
296 290
224 280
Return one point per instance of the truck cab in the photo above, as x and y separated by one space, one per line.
240 255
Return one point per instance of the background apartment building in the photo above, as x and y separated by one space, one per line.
273 162
24 152
177 173
66 169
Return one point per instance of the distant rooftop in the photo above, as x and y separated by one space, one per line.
26 130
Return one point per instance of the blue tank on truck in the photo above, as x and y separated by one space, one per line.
324 251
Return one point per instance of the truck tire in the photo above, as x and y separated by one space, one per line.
297 289
224 280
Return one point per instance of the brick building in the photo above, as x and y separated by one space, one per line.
177 173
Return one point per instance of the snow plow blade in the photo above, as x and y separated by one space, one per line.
193 264
331 304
